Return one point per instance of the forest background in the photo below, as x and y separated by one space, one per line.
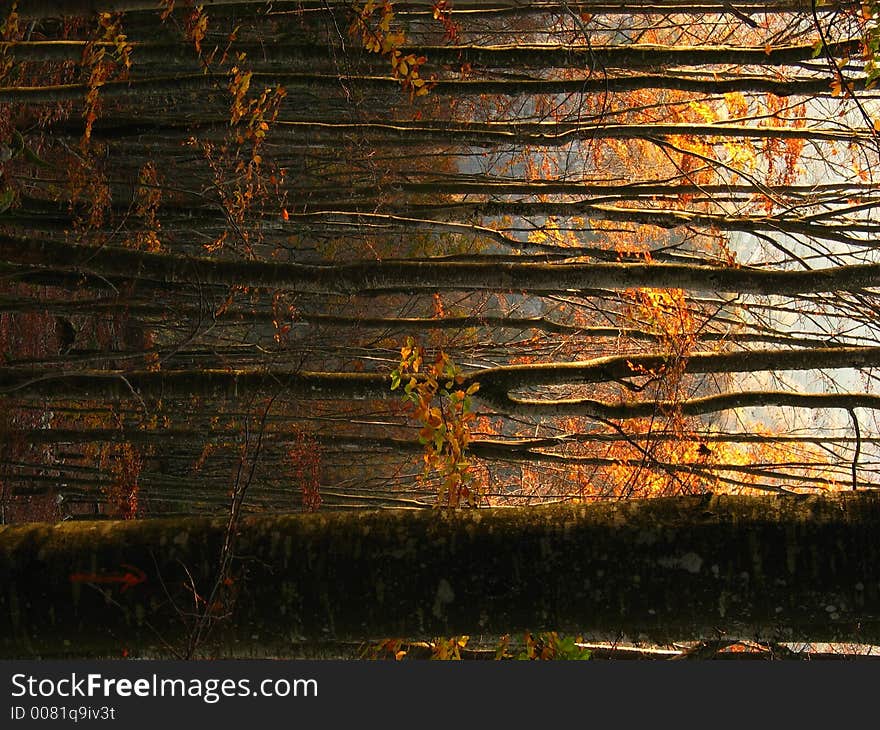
324 256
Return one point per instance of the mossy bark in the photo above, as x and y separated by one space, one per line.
779 568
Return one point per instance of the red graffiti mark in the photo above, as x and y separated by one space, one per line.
131 577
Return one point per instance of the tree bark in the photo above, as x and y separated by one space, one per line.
56 8
496 383
782 568
320 83
371 277
485 134
659 217
593 57
556 133
623 410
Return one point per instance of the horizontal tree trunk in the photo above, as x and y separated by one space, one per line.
782 568
430 275
623 410
553 134
507 449
595 57
163 85
347 449
54 8
485 134
496 383
659 217
602 204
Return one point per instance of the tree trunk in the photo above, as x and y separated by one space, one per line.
782 568
486 134
163 85
496 384
54 8
593 57
372 277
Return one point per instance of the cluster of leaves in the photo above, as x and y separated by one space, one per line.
445 412
372 25
304 455
90 200
124 463
547 646
667 314
86 178
869 10
100 66
148 196
196 27
782 155
195 30
543 646
440 649
385 649
449 649
240 177
10 29
24 335
283 314
16 154
22 72
442 11
251 116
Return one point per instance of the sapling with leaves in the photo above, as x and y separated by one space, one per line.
445 412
